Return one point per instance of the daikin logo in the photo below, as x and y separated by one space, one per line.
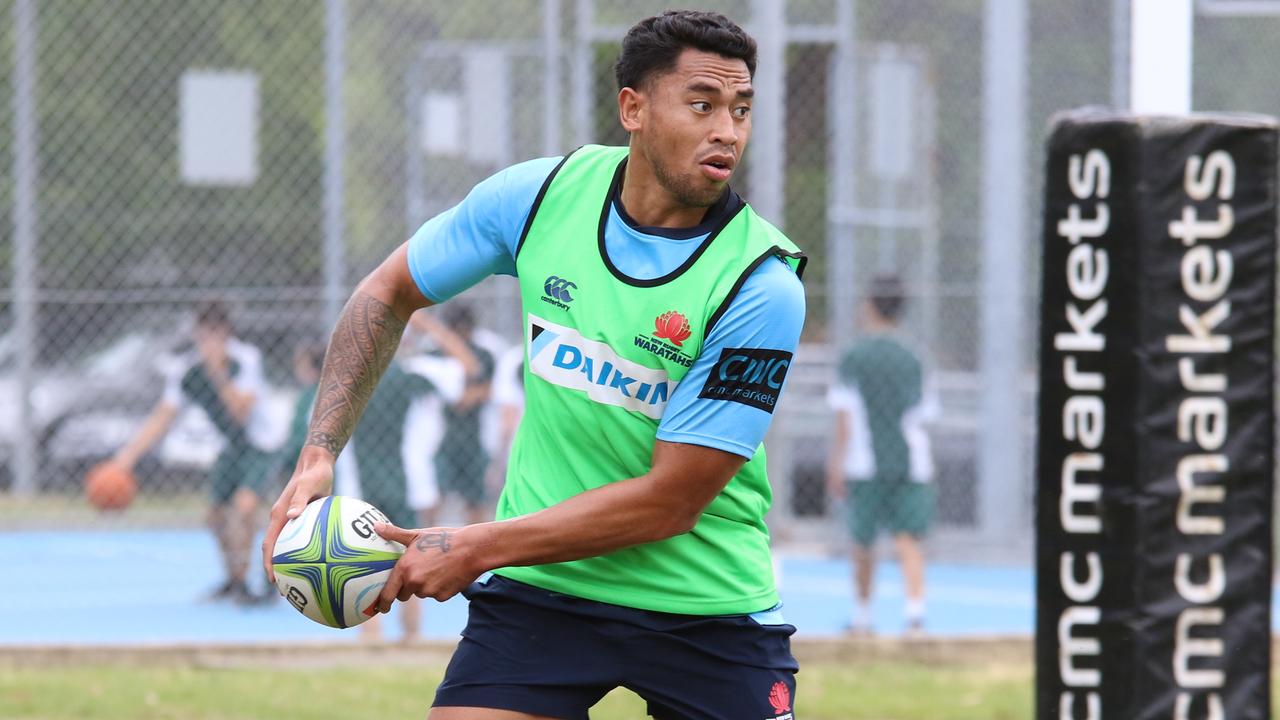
562 356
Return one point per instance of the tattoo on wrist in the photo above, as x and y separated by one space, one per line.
438 540
363 343
326 441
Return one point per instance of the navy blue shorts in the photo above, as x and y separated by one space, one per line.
534 651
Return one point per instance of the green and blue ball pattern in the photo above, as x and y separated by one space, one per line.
330 564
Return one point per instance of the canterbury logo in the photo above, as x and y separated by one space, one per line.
558 288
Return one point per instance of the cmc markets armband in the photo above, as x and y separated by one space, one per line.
751 376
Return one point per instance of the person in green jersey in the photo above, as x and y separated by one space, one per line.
378 442
224 378
880 461
508 402
308 356
381 446
462 460
660 314
307 359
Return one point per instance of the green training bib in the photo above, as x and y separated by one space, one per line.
604 353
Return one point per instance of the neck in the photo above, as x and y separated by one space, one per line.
648 202
877 326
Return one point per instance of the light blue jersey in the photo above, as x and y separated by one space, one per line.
478 237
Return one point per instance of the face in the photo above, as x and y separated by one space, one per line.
867 315
304 369
692 124
211 340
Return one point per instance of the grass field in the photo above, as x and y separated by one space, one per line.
71 510
840 679
827 692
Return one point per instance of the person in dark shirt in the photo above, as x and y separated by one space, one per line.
880 458
462 461
223 377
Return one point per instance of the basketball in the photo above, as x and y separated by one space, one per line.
330 564
110 486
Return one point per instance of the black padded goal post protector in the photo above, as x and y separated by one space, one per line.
1155 456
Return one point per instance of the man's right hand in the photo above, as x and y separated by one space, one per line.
312 479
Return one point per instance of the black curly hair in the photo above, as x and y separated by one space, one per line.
653 45
887 295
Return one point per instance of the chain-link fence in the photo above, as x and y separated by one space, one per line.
267 155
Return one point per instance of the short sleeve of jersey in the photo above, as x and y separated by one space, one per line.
508 380
477 237
842 397
445 374
487 363
173 372
408 383
844 390
767 316
250 378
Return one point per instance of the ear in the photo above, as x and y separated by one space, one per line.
631 108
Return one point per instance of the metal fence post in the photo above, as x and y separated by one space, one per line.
335 132
25 263
767 166
842 119
551 81
583 67
1002 363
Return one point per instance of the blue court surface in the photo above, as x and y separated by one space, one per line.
144 587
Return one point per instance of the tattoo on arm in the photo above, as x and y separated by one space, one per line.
362 345
438 540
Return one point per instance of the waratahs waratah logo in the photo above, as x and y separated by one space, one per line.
672 326
780 698
556 291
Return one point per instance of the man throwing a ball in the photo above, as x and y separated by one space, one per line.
660 316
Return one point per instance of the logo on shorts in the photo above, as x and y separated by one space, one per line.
780 699
751 376
556 291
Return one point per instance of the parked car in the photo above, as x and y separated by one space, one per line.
117 375
85 408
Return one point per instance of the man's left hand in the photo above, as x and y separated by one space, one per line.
433 565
